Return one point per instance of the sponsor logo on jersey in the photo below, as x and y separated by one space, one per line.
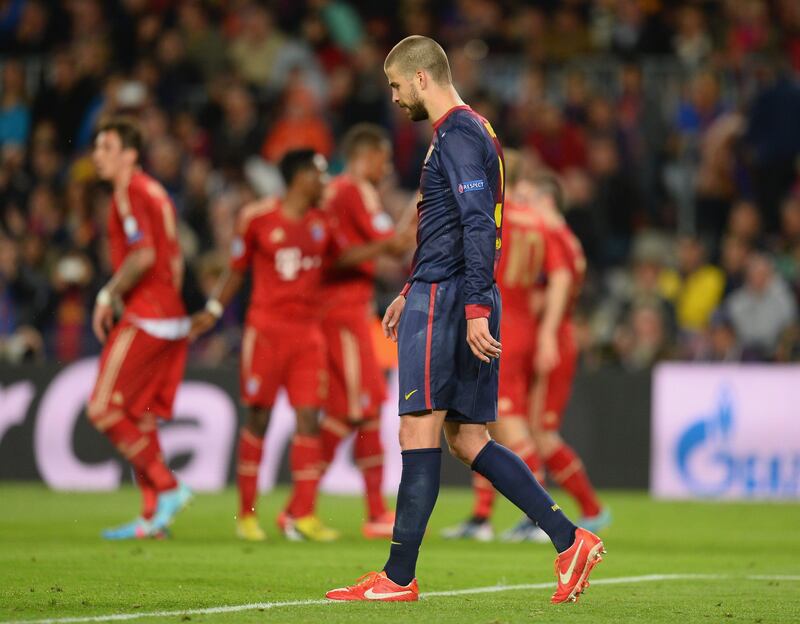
471 185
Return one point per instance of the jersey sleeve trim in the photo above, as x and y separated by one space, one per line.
474 310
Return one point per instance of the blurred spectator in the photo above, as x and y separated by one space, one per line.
744 222
642 341
300 125
692 42
762 309
733 261
205 48
240 132
15 116
721 342
696 288
559 144
786 245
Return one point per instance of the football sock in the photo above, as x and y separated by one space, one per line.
368 453
484 497
566 469
331 433
306 462
149 493
251 448
142 453
527 453
514 480
416 496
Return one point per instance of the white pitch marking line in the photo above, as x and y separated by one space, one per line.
255 606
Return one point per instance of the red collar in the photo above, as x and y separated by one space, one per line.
442 119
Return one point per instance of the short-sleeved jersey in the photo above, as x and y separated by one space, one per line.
286 257
460 207
575 261
143 216
530 253
356 218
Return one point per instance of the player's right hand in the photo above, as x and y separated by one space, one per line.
102 321
392 317
202 322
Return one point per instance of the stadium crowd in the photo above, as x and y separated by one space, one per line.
673 125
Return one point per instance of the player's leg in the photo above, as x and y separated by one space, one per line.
368 455
117 393
148 427
249 454
550 397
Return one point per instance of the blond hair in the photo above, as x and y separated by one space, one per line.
418 52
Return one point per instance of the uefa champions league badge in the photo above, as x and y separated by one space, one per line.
470 186
131 228
237 247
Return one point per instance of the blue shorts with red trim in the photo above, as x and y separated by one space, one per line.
437 368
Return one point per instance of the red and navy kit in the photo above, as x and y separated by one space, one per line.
356 387
151 336
460 212
552 391
283 343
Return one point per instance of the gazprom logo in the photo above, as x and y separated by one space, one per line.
471 185
711 462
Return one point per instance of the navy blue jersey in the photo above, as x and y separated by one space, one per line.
460 208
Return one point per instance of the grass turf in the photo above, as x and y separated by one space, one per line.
53 564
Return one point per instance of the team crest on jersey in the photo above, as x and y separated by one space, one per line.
131 227
252 386
237 247
470 186
317 232
278 235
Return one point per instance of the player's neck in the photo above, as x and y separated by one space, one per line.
294 206
122 180
440 103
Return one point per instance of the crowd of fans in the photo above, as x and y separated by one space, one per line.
674 126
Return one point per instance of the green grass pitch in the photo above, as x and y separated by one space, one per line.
53 564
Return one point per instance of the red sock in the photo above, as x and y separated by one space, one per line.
566 469
141 452
305 460
368 453
332 432
248 462
149 493
527 453
484 496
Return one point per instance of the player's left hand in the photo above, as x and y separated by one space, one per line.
202 322
102 321
547 355
480 340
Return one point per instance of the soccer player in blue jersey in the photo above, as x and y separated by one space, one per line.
446 321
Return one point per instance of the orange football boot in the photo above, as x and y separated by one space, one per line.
376 586
574 565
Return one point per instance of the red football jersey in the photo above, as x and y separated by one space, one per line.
529 252
143 216
286 257
357 218
572 252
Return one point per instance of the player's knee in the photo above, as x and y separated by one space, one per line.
546 441
466 448
258 421
307 421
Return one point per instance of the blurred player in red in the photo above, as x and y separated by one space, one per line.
356 384
540 276
144 354
286 243
557 353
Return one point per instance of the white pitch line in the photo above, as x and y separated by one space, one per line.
256 606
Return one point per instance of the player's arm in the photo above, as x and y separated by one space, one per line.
464 161
556 298
139 259
229 282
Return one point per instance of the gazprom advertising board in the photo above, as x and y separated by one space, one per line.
725 432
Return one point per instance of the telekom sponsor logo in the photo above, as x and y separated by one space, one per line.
727 432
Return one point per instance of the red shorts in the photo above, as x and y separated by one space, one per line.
516 367
551 392
356 385
139 375
288 354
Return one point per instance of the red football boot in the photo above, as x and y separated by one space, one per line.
574 565
376 586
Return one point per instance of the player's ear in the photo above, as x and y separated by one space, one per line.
421 79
